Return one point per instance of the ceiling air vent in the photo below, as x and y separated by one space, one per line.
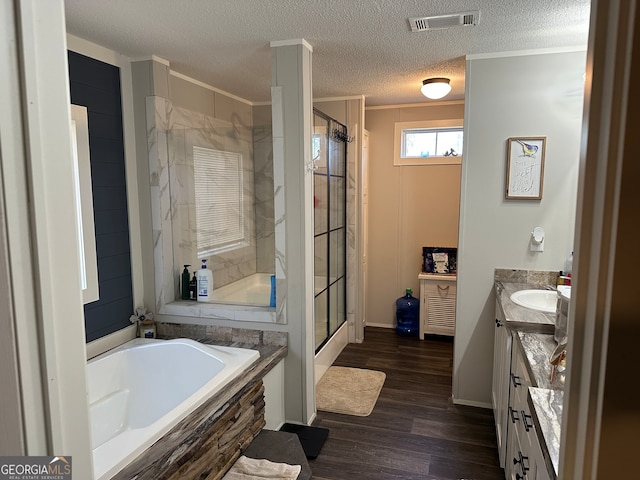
464 19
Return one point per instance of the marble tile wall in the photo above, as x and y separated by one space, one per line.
187 130
280 245
263 183
172 134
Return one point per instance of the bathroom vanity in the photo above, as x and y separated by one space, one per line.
527 402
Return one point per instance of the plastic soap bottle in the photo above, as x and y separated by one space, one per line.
186 278
205 282
568 265
193 287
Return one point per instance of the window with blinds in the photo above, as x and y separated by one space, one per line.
219 201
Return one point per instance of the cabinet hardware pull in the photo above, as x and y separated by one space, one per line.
527 426
521 459
514 415
516 380
443 288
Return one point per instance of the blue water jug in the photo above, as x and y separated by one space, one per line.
408 315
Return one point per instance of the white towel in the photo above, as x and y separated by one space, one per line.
247 468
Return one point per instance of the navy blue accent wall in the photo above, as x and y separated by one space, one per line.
96 85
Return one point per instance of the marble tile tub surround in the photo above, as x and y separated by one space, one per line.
172 133
263 193
187 442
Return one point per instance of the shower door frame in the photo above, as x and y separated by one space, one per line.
335 132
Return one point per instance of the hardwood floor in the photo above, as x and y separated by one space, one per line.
414 431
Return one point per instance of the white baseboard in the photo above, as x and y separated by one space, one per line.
380 325
311 420
472 403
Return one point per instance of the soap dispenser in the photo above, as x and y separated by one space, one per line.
186 279
193 287
205 282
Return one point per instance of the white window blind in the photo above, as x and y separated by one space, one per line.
219 200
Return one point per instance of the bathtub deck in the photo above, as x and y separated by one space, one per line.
161 459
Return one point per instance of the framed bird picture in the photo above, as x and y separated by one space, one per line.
525 168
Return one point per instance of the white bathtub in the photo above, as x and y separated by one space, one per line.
252 290
140 390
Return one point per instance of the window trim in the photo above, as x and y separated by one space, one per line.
399 160
84 204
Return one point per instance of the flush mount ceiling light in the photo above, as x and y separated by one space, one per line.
435 88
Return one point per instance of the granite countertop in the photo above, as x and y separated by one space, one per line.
546 410
533 335
537 349
519 317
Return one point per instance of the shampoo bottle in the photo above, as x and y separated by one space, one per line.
205 282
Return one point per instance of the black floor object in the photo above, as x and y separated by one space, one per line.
280 447
311 438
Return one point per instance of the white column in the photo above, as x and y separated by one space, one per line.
292 116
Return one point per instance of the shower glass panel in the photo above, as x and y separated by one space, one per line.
329 199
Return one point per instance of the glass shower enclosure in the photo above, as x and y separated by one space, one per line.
329 200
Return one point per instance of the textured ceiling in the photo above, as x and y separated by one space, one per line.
361 47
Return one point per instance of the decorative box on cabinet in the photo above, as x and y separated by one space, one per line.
437 304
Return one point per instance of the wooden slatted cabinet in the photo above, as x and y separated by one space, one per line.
437 304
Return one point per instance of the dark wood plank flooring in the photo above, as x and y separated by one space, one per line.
414 431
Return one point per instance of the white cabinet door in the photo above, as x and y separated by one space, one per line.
500 386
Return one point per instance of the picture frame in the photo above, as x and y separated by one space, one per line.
525 168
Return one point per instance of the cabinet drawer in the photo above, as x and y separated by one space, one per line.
440 288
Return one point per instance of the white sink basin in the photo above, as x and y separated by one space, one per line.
541 300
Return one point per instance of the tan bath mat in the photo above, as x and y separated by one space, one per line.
351 391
